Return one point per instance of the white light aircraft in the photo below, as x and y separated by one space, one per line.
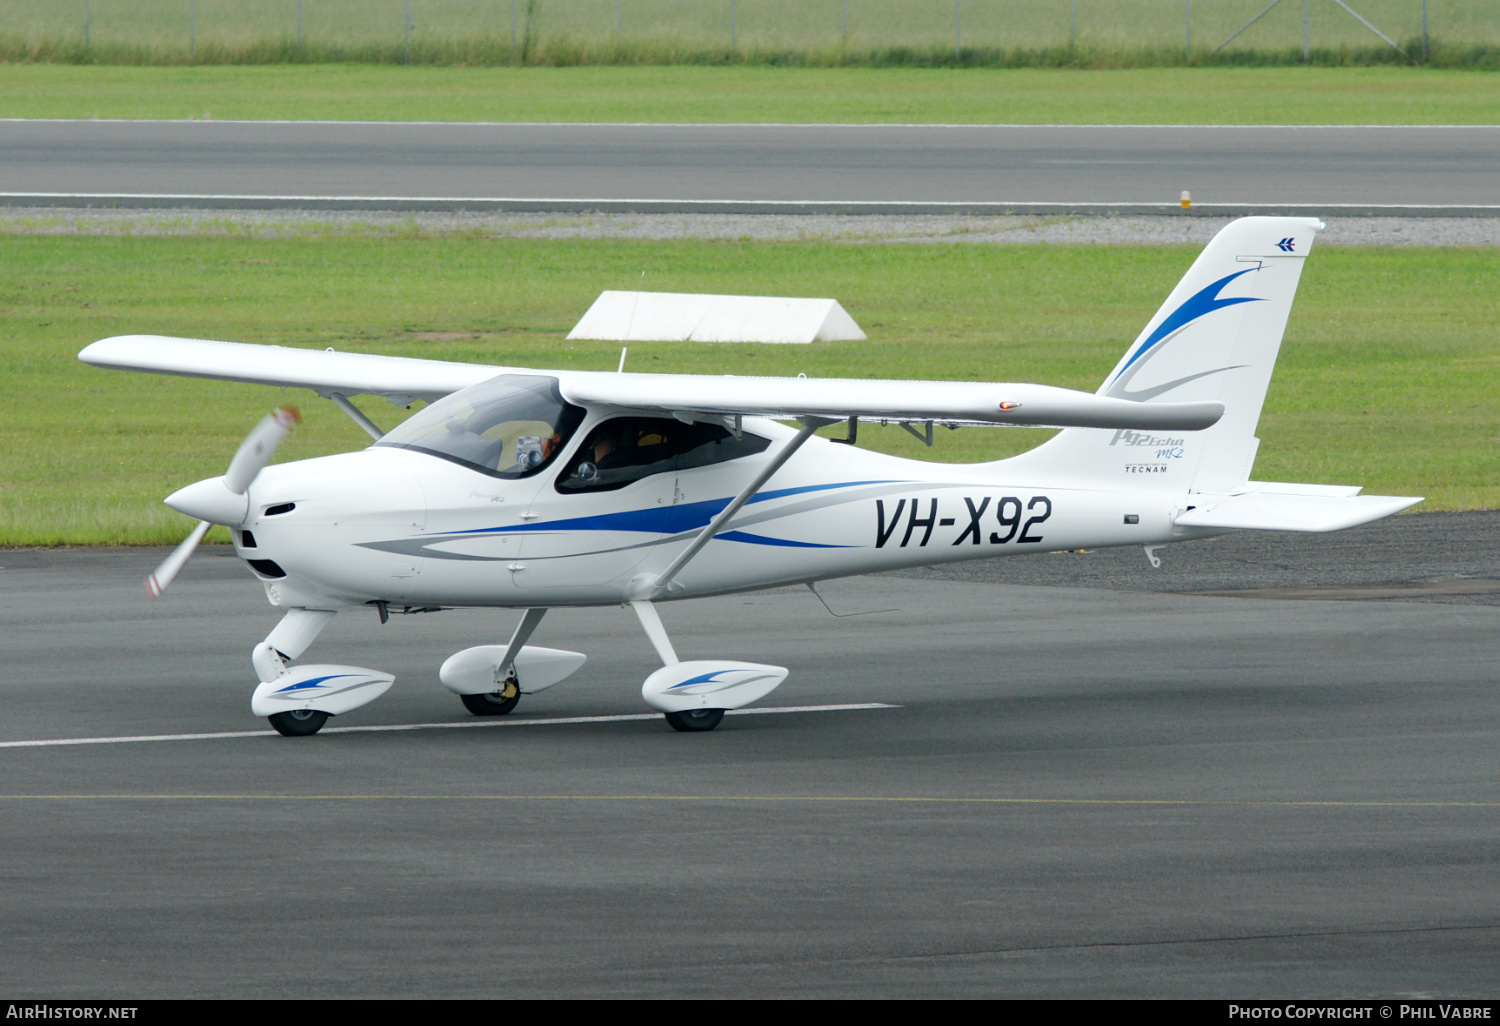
529 489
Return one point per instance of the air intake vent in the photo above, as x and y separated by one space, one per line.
247 540
266 568
280 508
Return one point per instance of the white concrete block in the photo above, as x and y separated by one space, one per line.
691 317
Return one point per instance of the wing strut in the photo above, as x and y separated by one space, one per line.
809 425
342 402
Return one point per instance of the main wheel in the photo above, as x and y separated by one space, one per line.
298 722
496 703
695 719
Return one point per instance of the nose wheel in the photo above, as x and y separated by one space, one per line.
494 703
693 720
298 722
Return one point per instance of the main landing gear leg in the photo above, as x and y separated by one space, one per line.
689 720
727 685
288 640
508 691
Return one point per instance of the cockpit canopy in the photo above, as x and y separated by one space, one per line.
511 426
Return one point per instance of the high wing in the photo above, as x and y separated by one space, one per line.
955 402
402 379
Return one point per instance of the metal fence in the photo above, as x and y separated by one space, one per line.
757 25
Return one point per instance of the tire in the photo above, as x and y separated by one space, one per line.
495 703
694 720
298 722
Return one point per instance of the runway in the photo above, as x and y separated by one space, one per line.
1052 789
890 169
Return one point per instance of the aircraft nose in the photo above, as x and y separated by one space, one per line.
211 500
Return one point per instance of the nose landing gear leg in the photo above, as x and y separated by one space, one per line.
298 629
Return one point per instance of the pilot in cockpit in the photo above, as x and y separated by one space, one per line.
466 443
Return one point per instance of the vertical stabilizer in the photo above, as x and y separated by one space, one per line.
1215 338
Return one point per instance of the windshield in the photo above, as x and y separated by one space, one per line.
510 426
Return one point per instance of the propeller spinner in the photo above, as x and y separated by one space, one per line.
223 500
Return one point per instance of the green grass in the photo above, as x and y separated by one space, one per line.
1387 377
1130 32
757 94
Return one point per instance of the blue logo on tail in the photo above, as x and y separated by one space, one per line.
1287 245
1205 301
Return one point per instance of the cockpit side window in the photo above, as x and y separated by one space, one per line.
511 426
623 450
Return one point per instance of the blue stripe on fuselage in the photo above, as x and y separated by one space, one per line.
760 539
661 519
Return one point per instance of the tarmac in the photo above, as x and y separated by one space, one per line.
1268 769
1318 170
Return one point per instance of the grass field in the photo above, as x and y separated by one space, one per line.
757 94
1387 377
1145 32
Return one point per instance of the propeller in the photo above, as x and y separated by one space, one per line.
224 500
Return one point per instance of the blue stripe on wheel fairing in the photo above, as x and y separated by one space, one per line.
315 682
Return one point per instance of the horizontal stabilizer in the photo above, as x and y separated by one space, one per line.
1293 488
1275 511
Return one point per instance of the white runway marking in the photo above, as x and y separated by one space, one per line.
810 125
460 725
548 204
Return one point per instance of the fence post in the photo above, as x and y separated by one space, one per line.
844 20
192 27
958 30
299 24
1072 23
1187 25
406 33
1424 28
733 25
1305 34
617 19
512 24
85 24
